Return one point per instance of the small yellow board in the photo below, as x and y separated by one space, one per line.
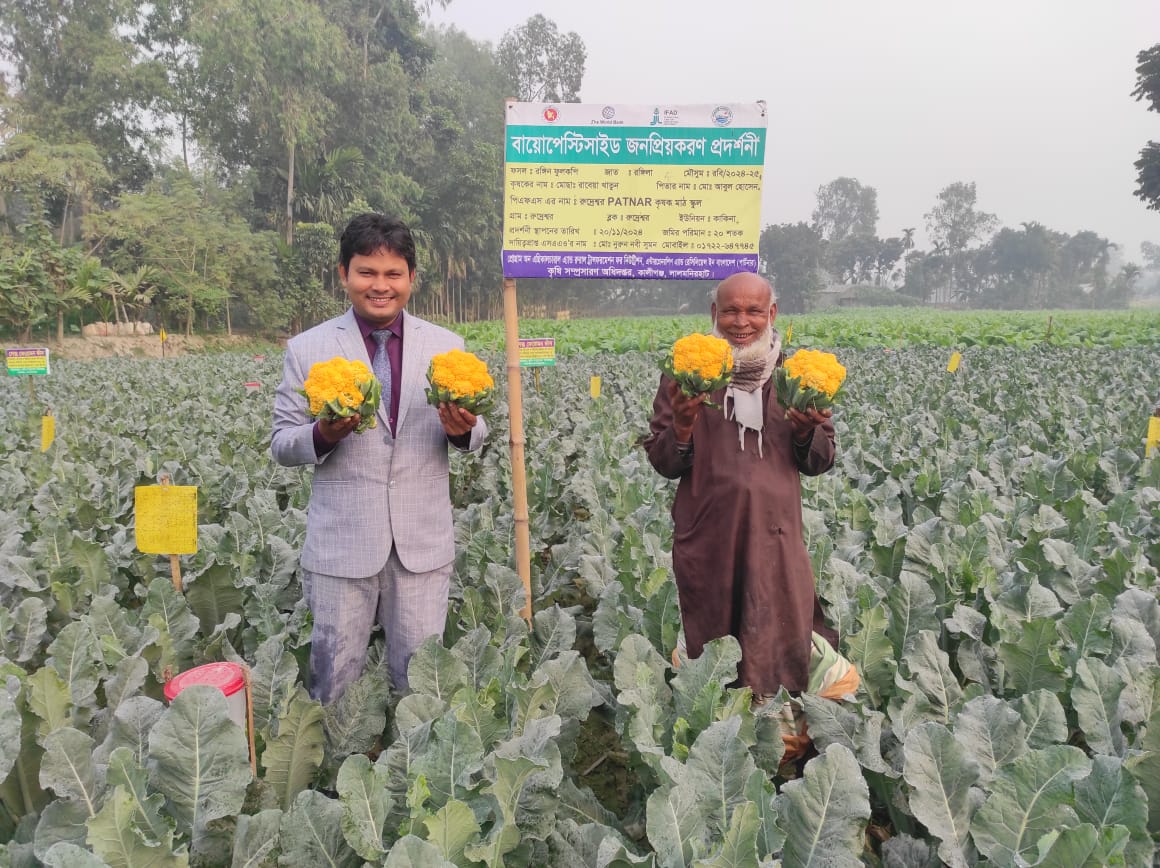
594 388
953 364
166 519
1153 441
47 432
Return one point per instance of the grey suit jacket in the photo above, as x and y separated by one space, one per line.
372 490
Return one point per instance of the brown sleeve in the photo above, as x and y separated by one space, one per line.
661 444
817 456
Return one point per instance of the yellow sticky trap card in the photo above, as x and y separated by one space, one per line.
789 334
166 519
47 432
594 388
953 364
1153 441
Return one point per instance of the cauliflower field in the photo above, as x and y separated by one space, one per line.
987 545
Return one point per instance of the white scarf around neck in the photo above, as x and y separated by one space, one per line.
743 397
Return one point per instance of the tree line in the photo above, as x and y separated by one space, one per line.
190 163
971 262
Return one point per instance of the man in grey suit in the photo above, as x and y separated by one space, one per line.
379 538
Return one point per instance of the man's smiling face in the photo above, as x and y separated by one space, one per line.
743 310
378 285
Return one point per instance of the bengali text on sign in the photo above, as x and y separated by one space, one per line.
537 352
23 362
628 192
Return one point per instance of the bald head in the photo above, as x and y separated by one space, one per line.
743 280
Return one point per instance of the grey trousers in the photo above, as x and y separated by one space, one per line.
409 607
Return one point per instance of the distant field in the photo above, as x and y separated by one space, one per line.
859 328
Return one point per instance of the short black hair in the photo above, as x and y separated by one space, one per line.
369 233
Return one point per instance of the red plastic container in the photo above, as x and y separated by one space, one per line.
229 678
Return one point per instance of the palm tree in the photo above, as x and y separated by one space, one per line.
134 291
447 249
325 186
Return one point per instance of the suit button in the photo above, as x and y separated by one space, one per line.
387 439
392 484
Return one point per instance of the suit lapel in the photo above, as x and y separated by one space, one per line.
350 339
414 373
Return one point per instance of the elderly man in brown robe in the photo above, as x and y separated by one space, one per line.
738 551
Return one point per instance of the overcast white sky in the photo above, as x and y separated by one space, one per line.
1030 99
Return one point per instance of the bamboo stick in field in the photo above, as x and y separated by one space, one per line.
174 561
516 441
250 718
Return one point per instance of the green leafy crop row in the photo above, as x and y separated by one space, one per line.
987 546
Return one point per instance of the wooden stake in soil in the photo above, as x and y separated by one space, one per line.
516 441
174 562
250 719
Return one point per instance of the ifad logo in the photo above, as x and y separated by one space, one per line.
551 114
722 116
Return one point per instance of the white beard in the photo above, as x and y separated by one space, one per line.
744 403
755 349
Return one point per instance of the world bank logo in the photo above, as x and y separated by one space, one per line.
722 116
608 112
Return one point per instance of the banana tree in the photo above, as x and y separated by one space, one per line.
61 292
21 306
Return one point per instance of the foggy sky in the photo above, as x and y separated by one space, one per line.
1030 99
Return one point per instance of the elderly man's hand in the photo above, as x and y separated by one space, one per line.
685 412
803 423
456 421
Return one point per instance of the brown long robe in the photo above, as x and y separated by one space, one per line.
739 554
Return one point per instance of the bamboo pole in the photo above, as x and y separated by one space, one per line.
250 718
174 563
516 441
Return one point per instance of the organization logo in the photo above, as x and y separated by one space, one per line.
551 114
607 116
722 116
665 118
